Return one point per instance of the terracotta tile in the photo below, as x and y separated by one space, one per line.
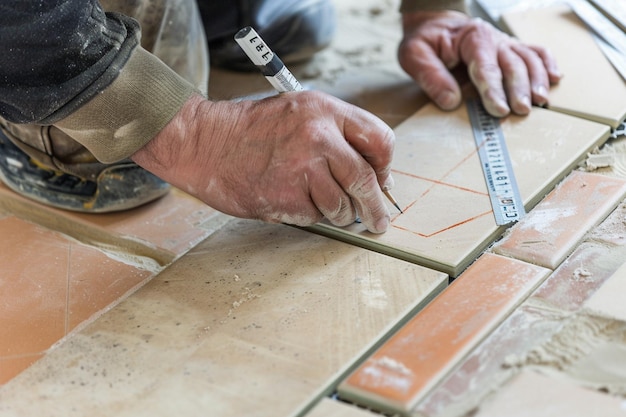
283 310
558 28
552 230
532 394
492 362
398 375
580 275
162 230
11 367
33 283
448 220
97 281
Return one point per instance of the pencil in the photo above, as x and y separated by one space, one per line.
275 70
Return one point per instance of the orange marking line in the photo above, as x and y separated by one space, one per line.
444 229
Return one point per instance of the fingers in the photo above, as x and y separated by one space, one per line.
422 63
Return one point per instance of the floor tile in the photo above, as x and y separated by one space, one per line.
33 284
331 408
416 358
562 32
254 312
608 301
162 230
447 220
10 367
551 231
50 284
532 394
488 365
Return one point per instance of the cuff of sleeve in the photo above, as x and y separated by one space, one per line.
427 5
124 117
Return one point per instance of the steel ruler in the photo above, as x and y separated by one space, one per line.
506 201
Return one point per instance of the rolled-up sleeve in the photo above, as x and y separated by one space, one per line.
68 63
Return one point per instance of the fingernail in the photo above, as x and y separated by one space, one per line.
526 105
542 95
448 100
382 225
497 107
389 183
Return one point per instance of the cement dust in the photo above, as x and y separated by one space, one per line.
589 350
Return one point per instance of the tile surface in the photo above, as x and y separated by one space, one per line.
551 231
416 358
161 230
49 285
562 32
531 394
440 185
330 408
257 320
608 301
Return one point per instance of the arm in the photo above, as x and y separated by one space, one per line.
508 74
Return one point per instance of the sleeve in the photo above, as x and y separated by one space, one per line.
68 63
418 5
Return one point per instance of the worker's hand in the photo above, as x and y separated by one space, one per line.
293 158
508 74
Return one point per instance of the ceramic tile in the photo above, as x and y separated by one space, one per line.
562 32
492 362
532 394
551 230
254 312
331 408
33 284
162 230
416 358
608 301
447 220
50 284
10 367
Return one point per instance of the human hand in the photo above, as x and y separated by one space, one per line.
508 74
293 158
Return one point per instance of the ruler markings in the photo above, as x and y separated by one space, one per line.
504 194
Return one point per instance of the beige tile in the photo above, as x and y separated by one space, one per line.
331 408
590 87
552 230
448 220
256 320
608 301
532 394
416 358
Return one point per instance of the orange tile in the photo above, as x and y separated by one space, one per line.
163 229
11 367
551 231
97 281
398 375
488 365
33 284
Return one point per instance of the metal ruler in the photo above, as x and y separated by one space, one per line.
506 200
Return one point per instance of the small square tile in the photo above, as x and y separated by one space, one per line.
409 364
551 231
